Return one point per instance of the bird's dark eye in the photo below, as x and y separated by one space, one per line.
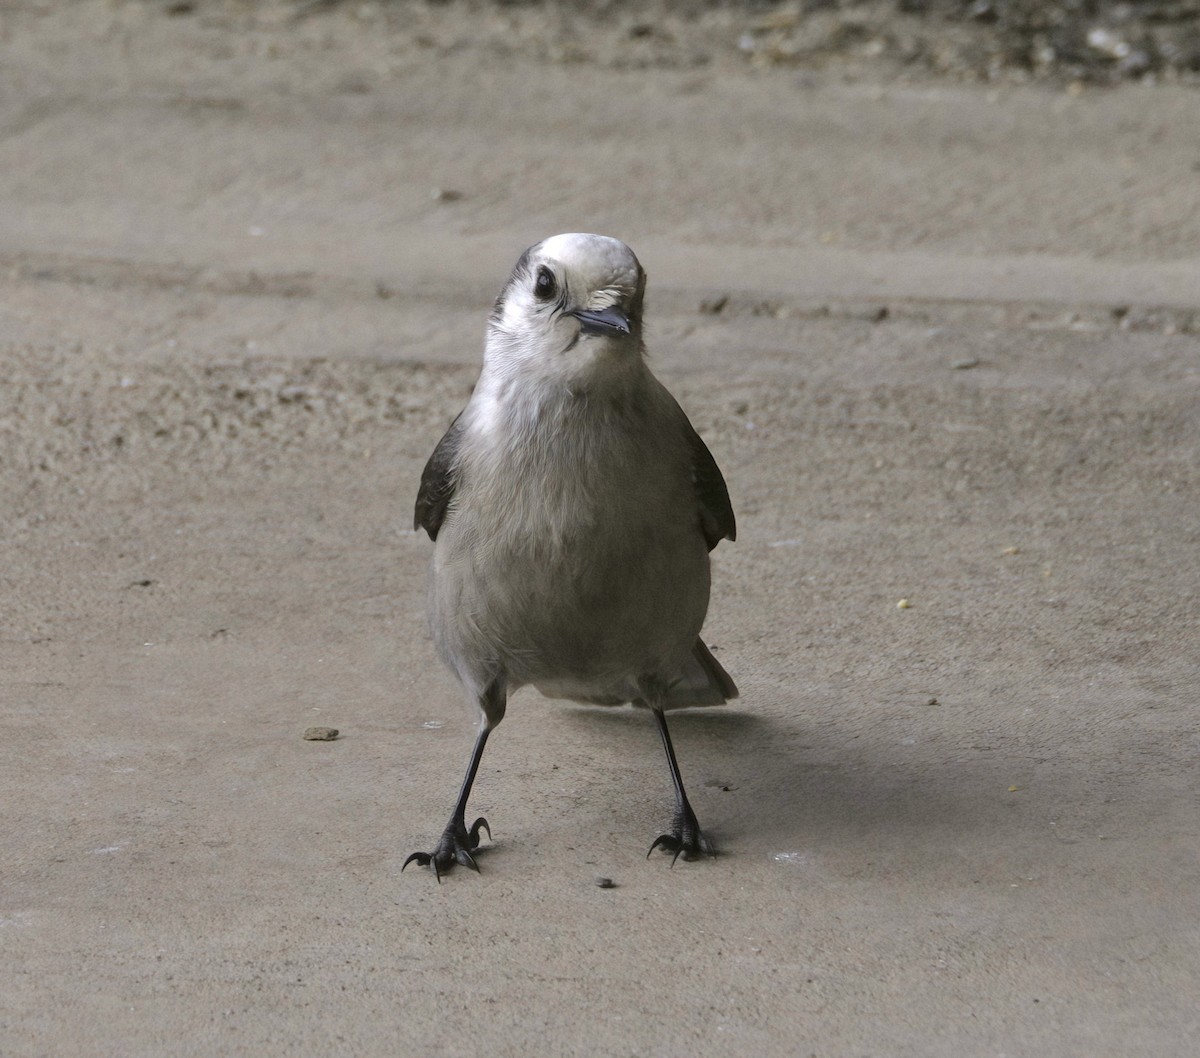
544 287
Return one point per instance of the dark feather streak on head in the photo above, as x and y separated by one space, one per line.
520 273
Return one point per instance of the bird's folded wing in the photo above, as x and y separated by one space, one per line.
438 481
716 512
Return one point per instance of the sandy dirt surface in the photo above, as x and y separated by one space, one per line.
943 339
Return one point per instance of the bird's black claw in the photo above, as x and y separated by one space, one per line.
473 833
685 839
455 846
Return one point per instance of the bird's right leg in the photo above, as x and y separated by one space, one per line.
685 838
457 843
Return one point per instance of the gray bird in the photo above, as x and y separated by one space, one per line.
573 507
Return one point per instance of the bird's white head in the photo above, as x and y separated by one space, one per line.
572 307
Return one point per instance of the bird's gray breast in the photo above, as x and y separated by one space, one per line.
572 553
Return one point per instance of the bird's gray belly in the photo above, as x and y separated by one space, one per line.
580 611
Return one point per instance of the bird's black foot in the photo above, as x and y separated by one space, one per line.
455 846
685 838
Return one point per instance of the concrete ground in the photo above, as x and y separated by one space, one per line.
944 342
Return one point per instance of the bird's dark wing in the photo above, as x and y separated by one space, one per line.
438 481
716 512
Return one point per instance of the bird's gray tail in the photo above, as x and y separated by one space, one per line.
702 682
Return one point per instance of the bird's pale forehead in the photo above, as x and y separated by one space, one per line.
597 259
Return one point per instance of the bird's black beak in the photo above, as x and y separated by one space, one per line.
607 322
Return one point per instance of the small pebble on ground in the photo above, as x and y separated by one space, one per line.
320 734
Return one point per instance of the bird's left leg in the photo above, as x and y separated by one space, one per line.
457 843
685 838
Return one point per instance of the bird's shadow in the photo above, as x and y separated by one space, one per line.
758 780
